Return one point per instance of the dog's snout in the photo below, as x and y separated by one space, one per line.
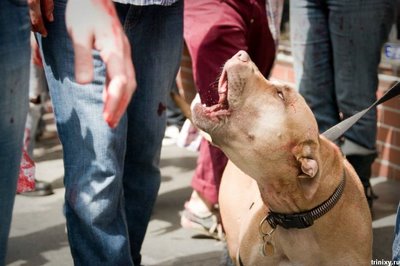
243 56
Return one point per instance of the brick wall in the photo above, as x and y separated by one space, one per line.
388 142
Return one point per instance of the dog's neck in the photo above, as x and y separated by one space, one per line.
284 194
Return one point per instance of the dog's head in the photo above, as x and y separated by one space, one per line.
260 125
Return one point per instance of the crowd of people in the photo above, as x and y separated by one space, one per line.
110 67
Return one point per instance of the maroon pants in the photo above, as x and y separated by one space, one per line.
215 30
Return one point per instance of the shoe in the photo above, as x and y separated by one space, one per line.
362 165
370 195
208 224
41 189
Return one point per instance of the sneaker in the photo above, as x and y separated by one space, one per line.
41 189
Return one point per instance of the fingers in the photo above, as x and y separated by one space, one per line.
38 10
35 14
121 85
47 9
116 100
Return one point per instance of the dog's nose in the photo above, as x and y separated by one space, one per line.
243 56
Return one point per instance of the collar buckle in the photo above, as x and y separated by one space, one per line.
298 220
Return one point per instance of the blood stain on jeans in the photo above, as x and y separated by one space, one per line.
161 109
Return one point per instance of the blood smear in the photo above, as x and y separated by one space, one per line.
26 179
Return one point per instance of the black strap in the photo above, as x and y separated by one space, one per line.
338 130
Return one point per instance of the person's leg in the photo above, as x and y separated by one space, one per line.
358 30
175 116
206 40
312 54
214 32
93 154
155 34
14 79
211 163
396 242
37 92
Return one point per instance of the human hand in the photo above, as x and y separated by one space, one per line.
39 10
35 52
94 24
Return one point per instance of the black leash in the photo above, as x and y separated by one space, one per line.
338 130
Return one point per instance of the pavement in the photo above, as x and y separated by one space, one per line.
38 234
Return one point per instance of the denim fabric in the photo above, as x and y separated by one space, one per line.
14 85
396 242
336 48
104 199
156 37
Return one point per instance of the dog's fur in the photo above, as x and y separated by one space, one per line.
281 163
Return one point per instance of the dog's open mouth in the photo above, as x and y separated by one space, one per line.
221 109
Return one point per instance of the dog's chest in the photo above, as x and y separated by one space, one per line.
283 247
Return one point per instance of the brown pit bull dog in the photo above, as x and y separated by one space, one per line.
295 199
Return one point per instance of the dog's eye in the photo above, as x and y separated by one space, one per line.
280 94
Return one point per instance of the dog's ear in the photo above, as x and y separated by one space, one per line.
307 163
309 167
308 171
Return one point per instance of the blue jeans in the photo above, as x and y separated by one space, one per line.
336 46
14 85
396 242
108 203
